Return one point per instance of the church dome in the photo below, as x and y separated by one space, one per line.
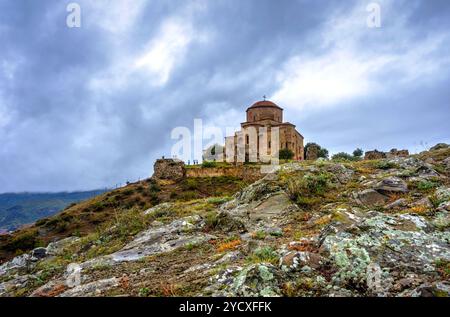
264 104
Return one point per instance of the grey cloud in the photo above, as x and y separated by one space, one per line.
64 135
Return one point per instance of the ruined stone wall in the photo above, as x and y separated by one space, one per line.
169 169
246 173
377 155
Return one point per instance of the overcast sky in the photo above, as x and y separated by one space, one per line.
89 107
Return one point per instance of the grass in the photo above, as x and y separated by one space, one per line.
229 245
259 235
308 190
23 241
443 267
426 185
385 165
264 255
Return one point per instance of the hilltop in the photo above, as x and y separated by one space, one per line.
314 228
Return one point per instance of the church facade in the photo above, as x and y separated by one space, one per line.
263 134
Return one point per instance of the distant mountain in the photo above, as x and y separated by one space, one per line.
17 209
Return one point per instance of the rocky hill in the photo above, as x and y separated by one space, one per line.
322 228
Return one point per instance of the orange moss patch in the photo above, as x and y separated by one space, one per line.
228 245
420 209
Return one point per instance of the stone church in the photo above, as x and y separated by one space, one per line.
263 133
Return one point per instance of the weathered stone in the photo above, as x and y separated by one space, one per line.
371 197
257 280
169 169
58 247
397 204
392 185
295 260
18 263
343 174
92 289
443 194
39 253
156 240
427 171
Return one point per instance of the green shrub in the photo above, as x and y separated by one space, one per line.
211 220
23 241
218 200
144 292
127 192
209 164
322 152
191 184
286 154
264 254
154 187
385 165
426 185
342 156
300 190
358 152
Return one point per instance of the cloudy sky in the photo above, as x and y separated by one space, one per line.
89 107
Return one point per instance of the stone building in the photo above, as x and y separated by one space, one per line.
263 133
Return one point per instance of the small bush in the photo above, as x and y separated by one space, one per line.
342 156
286 154
191 184
154 187
218 200
260 235
264 254
443 267
358 152
209 164
144 292
127 192
23 241
189 195
322 152
385 165
211 220
426 185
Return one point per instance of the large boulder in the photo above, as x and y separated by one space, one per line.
257 280
392 185
370 197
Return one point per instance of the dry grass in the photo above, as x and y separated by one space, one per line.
229 245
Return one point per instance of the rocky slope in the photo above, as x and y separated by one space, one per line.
323 228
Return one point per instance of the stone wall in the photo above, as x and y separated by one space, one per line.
175 170
169 169
246 173
376 155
